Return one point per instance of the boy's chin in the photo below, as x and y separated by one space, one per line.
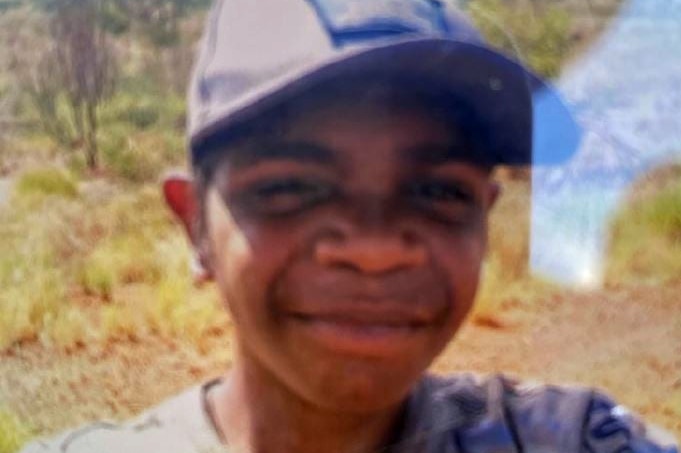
358 374
359 386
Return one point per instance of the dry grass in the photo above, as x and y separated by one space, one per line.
93 262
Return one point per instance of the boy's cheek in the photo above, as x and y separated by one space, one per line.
462 262
246 259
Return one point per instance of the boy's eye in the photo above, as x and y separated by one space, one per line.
447 200
284 195
440 191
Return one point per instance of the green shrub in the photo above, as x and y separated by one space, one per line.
179 311
132 226
122 260
140 106
142 132
112 138
47 181
140 156
97 278
663 213
539 36
136 158
138 213
645 244
13 433
129 165
141 116
137 110
175 148
173 112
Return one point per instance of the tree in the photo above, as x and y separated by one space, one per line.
162 26
85 66
67 71
157 21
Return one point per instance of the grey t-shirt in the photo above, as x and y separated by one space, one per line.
456 414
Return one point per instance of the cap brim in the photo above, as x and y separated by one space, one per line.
525 119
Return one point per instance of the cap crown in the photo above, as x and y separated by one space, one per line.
257 54
249 45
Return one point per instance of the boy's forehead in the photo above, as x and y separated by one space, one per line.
320 131
357 101
376 96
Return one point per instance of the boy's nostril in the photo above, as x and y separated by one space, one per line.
371 255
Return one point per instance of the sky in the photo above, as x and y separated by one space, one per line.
625 93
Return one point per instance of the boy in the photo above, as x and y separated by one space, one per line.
342 155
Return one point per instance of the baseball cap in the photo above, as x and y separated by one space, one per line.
256 55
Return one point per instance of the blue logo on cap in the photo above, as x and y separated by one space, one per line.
353 21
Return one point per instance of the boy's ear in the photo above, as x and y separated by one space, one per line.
178 191
494 193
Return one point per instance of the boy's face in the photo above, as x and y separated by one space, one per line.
348 248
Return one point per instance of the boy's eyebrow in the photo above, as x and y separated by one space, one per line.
440 154
298 151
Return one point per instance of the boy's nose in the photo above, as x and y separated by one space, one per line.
371 254
370 238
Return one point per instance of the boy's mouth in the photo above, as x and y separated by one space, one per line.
367 313
364 329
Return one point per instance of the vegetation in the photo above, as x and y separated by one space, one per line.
70 75
13 433
113 99
93 257
646 238
66 62
540 36
47 181
105 265
103 81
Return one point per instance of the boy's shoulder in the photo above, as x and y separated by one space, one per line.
177 425
457 413
479 413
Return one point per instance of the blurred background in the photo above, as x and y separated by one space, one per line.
98 314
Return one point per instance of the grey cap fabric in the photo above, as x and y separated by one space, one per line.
258 55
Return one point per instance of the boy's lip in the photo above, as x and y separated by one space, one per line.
365 315
363 329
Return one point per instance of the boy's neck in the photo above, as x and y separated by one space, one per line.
254 413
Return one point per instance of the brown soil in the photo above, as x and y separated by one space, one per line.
624 340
